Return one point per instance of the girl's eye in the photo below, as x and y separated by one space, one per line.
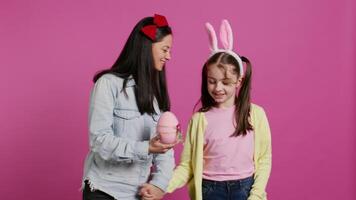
228 82
211 81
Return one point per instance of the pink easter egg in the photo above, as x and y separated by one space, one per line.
167 119
167 127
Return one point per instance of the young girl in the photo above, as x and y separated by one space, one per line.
125 104
227 151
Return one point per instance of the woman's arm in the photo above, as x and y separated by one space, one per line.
163 169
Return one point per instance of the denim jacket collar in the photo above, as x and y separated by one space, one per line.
130 81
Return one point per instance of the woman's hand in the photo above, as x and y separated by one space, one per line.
156 146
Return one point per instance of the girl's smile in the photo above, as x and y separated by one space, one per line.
222 84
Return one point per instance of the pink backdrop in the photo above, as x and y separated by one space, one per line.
303 55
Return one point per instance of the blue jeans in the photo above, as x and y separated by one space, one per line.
227 190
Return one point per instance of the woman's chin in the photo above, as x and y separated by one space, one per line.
159 68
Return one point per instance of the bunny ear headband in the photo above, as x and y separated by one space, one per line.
226 39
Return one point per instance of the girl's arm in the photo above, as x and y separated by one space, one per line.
183 172
101 134
264 159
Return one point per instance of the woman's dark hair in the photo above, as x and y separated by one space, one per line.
242 100
136 60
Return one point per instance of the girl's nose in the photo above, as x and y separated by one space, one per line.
218 86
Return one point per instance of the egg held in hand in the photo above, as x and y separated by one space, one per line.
168 128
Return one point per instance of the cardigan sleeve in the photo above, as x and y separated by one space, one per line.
264 159
184 172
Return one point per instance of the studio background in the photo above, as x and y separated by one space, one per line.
303 57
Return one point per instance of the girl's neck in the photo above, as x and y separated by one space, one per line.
224 107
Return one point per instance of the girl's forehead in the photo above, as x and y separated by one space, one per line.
222 70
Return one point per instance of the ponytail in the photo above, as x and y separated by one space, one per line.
242 102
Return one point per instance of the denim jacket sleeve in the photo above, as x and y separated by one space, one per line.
101 134
164 165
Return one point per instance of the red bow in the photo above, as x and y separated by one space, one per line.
150 30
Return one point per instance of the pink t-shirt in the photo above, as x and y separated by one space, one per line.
225 157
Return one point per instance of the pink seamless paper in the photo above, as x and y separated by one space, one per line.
303 57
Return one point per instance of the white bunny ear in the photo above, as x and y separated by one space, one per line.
212 37
226 36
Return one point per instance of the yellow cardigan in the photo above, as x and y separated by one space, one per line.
190 168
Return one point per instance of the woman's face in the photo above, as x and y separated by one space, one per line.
161 52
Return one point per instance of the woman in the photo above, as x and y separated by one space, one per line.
125 104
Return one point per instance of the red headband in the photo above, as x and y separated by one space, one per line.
150 30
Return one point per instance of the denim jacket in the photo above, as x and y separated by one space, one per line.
118 162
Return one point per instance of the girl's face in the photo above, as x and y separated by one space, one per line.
161 52
222 84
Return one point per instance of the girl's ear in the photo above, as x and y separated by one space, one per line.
213 41
226 36
239 82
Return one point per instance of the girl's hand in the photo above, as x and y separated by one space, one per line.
156 146
150 192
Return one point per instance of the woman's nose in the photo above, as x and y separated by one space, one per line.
168 56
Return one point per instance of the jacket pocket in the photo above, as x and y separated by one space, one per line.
126 114
124 119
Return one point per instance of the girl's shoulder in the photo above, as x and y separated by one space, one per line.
257 113
256 108
198 117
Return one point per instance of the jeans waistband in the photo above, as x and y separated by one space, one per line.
229 182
